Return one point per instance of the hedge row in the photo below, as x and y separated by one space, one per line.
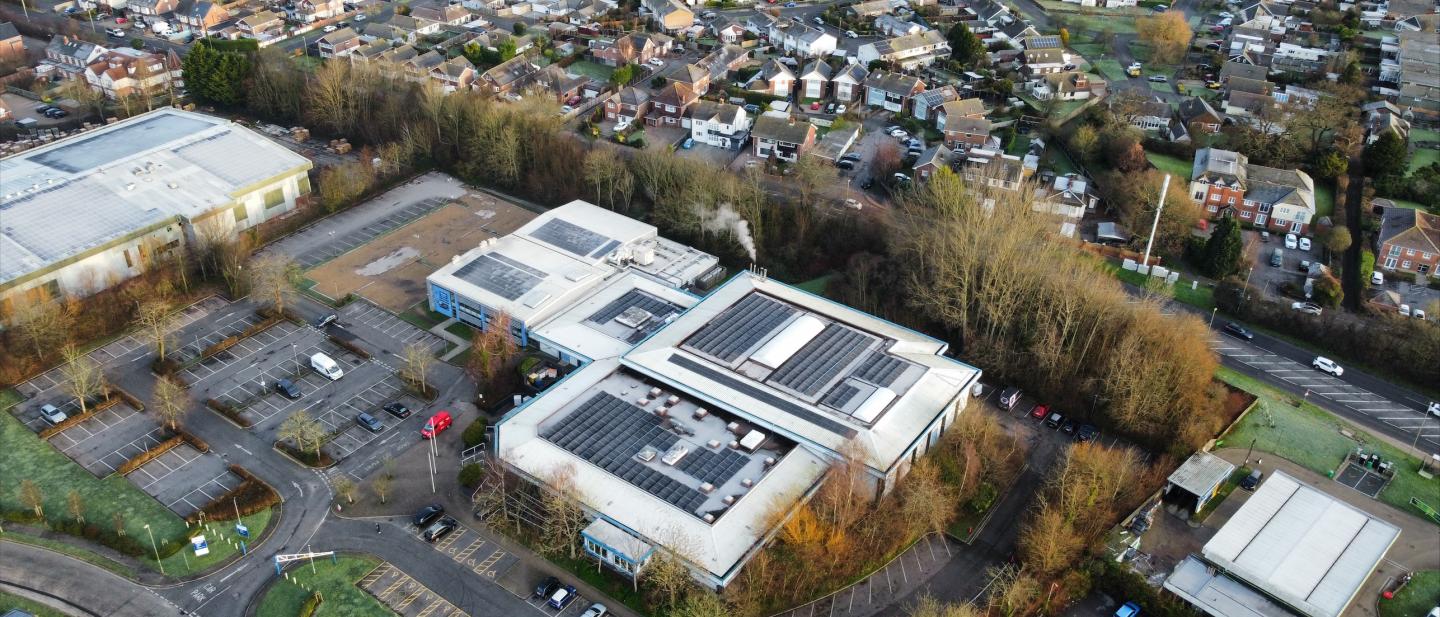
89 531
311 605
229 411
51 431
318 458
250 496
269 313
127 397
195 442
222 345
351 347
149 454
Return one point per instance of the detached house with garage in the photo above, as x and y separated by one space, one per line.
774 79
963 124
909 51
630 103
891 91
814 79
1410 241
1224 183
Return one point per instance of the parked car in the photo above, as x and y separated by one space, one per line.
427 515
545 587
371 423
901 179
43 108
440 529
1238 331
1226 15
790 5
1309 308
1377 278
565 109
817 20
596 610
1292 241
830 107
1086 433
1434 409
52 414
1160 8
752 108
564 595
868 184
1326 365
852 156
688 143
846 164
115 32
656 62
397 409
1159 79
330 28
852 204
56 112
1264 236
1039 412
1252 481
850 34
1304 244
288 388
1008 398
1418 314
121 20
1054 420
840 109
899 134
436 424
1404 310
1128 609
1068 427
360 17
1277 257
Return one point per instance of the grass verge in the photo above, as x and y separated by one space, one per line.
89 557
1201 296
335 582
1310 437
219 535
1417 598
11 601
1324 199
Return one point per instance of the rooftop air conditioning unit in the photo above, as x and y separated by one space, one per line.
709 518
645 255
674 454
633 317
747 482
654 392
673 400
707 488
646 455
729 499
700 413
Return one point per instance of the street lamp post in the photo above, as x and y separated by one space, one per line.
156 547
295 355
1212 315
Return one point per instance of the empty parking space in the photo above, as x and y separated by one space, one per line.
271 342
184 479
405 595
335 247
365 317
369 400
256 394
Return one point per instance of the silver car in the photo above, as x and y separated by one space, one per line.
52 414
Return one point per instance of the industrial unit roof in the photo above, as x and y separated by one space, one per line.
113 181
1201 473
1301 546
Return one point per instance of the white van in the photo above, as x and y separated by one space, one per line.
324 365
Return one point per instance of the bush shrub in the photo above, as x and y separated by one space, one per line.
308 458
195 442
349 346
222 345
1119 581
229 411
127 397
165 366
260 326
250 496
470 475
474 434
311 605
149 454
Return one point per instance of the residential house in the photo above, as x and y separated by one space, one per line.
722 125
630 103
262 25
126 72
1226 184
454 74
510 76
1241 69
669 15
559 83
848 83
12 45
778 135
774 79
1409 241
152 8
408 29
909 51
309 11
727 30
341 42
1072 86
1385 117
1196 115
1043 55
205 16
1152 115
636 48
724 60
963 124
995 171
869 8
693 77
931 161
890 25
671 106
795 37
1017 32
814 78
925 104
70 56
1069 197
990 13
448 14
419 67
891 91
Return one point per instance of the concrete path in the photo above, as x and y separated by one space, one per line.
38 573
460 344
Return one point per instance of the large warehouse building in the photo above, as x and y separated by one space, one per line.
1291 549
690 420
86 212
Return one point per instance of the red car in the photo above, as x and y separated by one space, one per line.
815 106
1039 412
120 20
436 425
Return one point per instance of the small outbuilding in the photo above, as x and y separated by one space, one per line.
1197 480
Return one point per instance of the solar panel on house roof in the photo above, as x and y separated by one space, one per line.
500 275
821 359
608 432
760 395
570 237
740 327
880 368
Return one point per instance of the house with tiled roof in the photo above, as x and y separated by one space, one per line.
694 77
454 74
891 91
907 52
1069 197
309 11
448 14
669 15
1072 86
774 79
1042 55
931 161
963 124
1241 69
1196 114
1152 115
777 134
510 76
801 39
338 43
723 61
671 106
814 79
869 8
925 104
1383 117
262 25
559 83
630 103
126 72
1224 183
1409 241
848 83
204 16
636 48
722 125
152 8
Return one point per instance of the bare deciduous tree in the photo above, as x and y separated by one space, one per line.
153 317
270 280
117 521
83 378
418 361
169 401
381 485
304 430
928 606
32 498
928 503
41 321
563 518
75 504
344 487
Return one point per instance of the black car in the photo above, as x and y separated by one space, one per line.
1239 331
852 156
56 113
326 320
1252 481
397 410
546 587
288 388
369 422
440 529
1086 433
427 515
1068 427
1054 420
868 184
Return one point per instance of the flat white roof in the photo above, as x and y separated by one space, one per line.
861 378
1301 546
1201 473
1219 595
65 198
599 325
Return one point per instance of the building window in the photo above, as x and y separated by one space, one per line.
1389 263
1265 208
1394 251
1405 264
1426 256
240 213
1409 252
1230 201
1424 268
274 197
1244 214
128 263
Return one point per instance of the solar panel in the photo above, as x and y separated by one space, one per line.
636 299
605 250
499 275
840 395
821 359
570 237
713 467
740 327
880 368
761 395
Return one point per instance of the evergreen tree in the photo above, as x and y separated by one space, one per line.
965 47
215 76
1387 156
1223 249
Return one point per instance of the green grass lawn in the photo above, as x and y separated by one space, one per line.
1055 160
1091 51
1406 204
461 330
1201 297
1111 69
1417 598
11 601
1170 165
1161 87
1424 135
184 562
1310 436
420 315
335 582
1324 199
593 70
1423 157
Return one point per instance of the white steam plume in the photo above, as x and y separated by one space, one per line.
725 219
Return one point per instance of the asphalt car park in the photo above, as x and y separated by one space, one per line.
251 385
366 319
1361 479
404 595
104 441
343 244
240 352
184 479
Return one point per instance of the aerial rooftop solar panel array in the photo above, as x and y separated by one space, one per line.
500 275
743 387
713 467
821 359
636 299
608 432
571 238
841 395
880 369
740 327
